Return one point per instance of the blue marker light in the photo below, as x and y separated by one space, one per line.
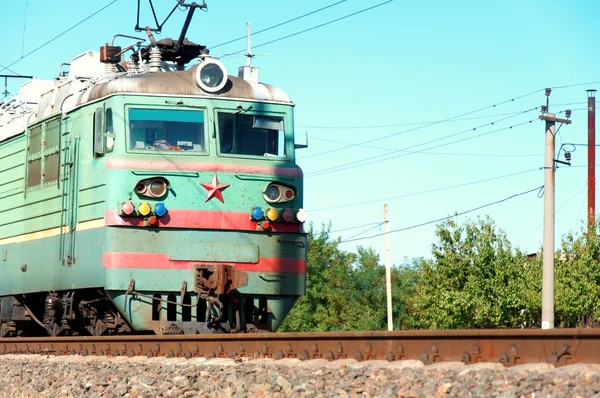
257 213
160 209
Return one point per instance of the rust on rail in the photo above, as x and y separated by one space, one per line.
559 347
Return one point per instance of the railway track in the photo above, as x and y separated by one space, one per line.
559 347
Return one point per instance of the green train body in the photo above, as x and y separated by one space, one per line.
137 202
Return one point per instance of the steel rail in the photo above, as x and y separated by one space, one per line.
511 347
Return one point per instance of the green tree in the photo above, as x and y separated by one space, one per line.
577 281
475 280
328 269
346 291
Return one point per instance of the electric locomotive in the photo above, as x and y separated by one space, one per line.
139 195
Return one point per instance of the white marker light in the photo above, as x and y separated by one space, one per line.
301 215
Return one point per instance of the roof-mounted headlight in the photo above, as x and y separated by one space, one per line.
211 75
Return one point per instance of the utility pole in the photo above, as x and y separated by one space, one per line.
388 275
548 250
591 161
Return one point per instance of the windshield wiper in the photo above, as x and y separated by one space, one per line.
180 103
236 113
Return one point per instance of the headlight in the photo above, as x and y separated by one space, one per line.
152 187
273 193
157 188
276 193
211 75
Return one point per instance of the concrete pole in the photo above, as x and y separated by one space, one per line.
548 251
388 274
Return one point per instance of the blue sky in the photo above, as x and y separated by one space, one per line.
372 77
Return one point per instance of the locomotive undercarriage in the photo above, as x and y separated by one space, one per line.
90 312
212 306
86 312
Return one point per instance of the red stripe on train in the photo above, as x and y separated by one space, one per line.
162 261
199 219
166 165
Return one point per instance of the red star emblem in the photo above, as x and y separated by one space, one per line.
214 189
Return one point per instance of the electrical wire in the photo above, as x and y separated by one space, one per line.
370 160
445 218
312 28
555 212
457 117
277 25
357 227
575 85
59 35
430 124
10 70
363 232
433 153
428 191
378 126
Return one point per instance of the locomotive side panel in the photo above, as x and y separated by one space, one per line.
52 197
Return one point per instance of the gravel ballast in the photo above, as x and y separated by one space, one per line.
76 376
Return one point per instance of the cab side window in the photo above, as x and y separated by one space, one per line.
99 132
103 132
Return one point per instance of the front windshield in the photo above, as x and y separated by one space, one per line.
166 130
253 135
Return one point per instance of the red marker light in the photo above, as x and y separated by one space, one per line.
152 220
288 215
289 194
265 225
127 208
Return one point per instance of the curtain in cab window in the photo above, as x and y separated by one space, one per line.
251 135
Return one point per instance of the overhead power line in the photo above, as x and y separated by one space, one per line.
575 85
312 28
380 126
365 231
555 212
10 70
447 119
357 227
385 156
432 124
448 217
278 25
59 35
427 191
405 151
518 155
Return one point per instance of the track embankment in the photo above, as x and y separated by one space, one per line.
500 363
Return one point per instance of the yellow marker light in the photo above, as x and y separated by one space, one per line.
272 214
144 209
